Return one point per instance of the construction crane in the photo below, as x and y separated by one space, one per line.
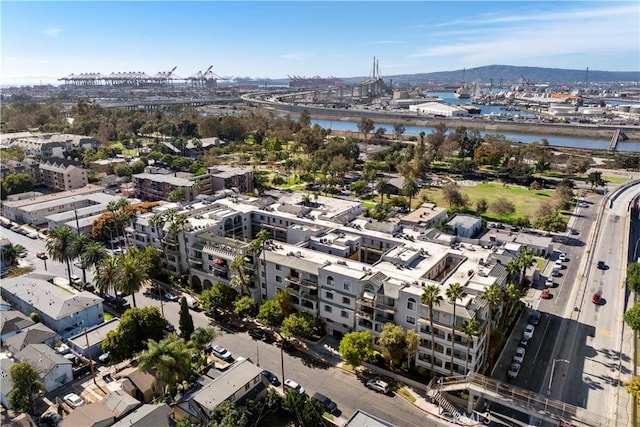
529 86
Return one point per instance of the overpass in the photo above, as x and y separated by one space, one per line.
518 399
618 136
154 104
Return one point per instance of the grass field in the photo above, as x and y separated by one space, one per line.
526 201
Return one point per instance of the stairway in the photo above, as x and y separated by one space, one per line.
447 406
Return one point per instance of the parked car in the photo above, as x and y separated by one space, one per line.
75 279
73 400
213 313
119 251
329 405
518 356
123 303
291 384
378 385
88 287
261 334
528 332
514 370
32 235
170 297
237 325
222 353
597 298
104 357
42 255
271 377
22 254
169 327
534 319
111 299
545 294
548 283
78 264
51 419
524 342
562 257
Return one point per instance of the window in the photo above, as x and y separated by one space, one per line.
328 295
278 267
346 300
344 314
411 320
347 286
279 279
328 308
330 281
411 304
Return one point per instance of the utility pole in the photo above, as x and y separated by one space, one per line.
93 369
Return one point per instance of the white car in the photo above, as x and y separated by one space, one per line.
73 400
528 332
222 353
289 383
78 264
562 257
378 385
518 356
514 370
548 283
75 279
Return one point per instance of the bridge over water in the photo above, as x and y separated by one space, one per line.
518 399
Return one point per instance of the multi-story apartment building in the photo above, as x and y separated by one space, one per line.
62 175
226 178
154 187
353 273
47 145
29 166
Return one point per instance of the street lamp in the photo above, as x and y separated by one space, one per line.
553 368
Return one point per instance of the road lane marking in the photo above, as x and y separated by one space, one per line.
605 333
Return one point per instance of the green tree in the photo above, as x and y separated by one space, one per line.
228 414
170 356
16 183
312 412
132 274
283 299
502 207
11 254
365 126
238 265
59 246
513 269
633 386
106 279
186 321
26 382
137 325
94 254
482 206
454 292
410 189
510 297
271 313
219 296
525 259
632 317
256 247
381 187
202 337
79 243
471 328
633 276
355 347
493 296
595 179
298 325
392 342
431 298
453 196
305 119
177 195
244 306
411 341
293 403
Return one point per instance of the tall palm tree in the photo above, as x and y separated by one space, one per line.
454 293
471 327
513 269
410 189
176 226
107 277
431 298
171 357
79 244
238 265
59 246
94 254
11 254
117 209
493 296
525 259
258 246
158 221
510 297
132 274
380 187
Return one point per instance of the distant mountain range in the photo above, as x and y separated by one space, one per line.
508 74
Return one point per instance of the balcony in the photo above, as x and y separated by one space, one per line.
364 315
309 296
365 302
309 284
384 319
292 279
195 262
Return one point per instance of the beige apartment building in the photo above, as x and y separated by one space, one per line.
62 175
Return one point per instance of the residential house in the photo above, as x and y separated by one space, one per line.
143 385
426 216
33 334
114 406
54 369
241 382
12 322
463 225
47 145
94 336
106 165
147 415
6 385
66 314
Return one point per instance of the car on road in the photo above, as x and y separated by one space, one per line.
78 264
237 325
32 235
524 342
514 370
329 405
534 319
602 265
291 384
562 257
22 254
582 204
170 297
548 283
261 335
51 419
378 385
528 332
518 356
73 400
75 279
213 314
42 255
596 298
222 353
545 294
271 377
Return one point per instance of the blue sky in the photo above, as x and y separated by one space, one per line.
43 41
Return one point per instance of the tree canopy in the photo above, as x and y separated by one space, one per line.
26 382
355 347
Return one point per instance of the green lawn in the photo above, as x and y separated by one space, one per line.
526 201
107 316
615 179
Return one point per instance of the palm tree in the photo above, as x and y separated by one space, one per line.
380 187
431 298
12 253
59 246
410 189
238 265
493 296
513 269
471 327
510 296
525 259
178 222
171 357
132 275
258 246
107 277
157 221
119 215
454 293
94 254
79 244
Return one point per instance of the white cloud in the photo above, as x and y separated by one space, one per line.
51 32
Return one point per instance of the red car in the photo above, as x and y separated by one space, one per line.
42 255
545 294
597 298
